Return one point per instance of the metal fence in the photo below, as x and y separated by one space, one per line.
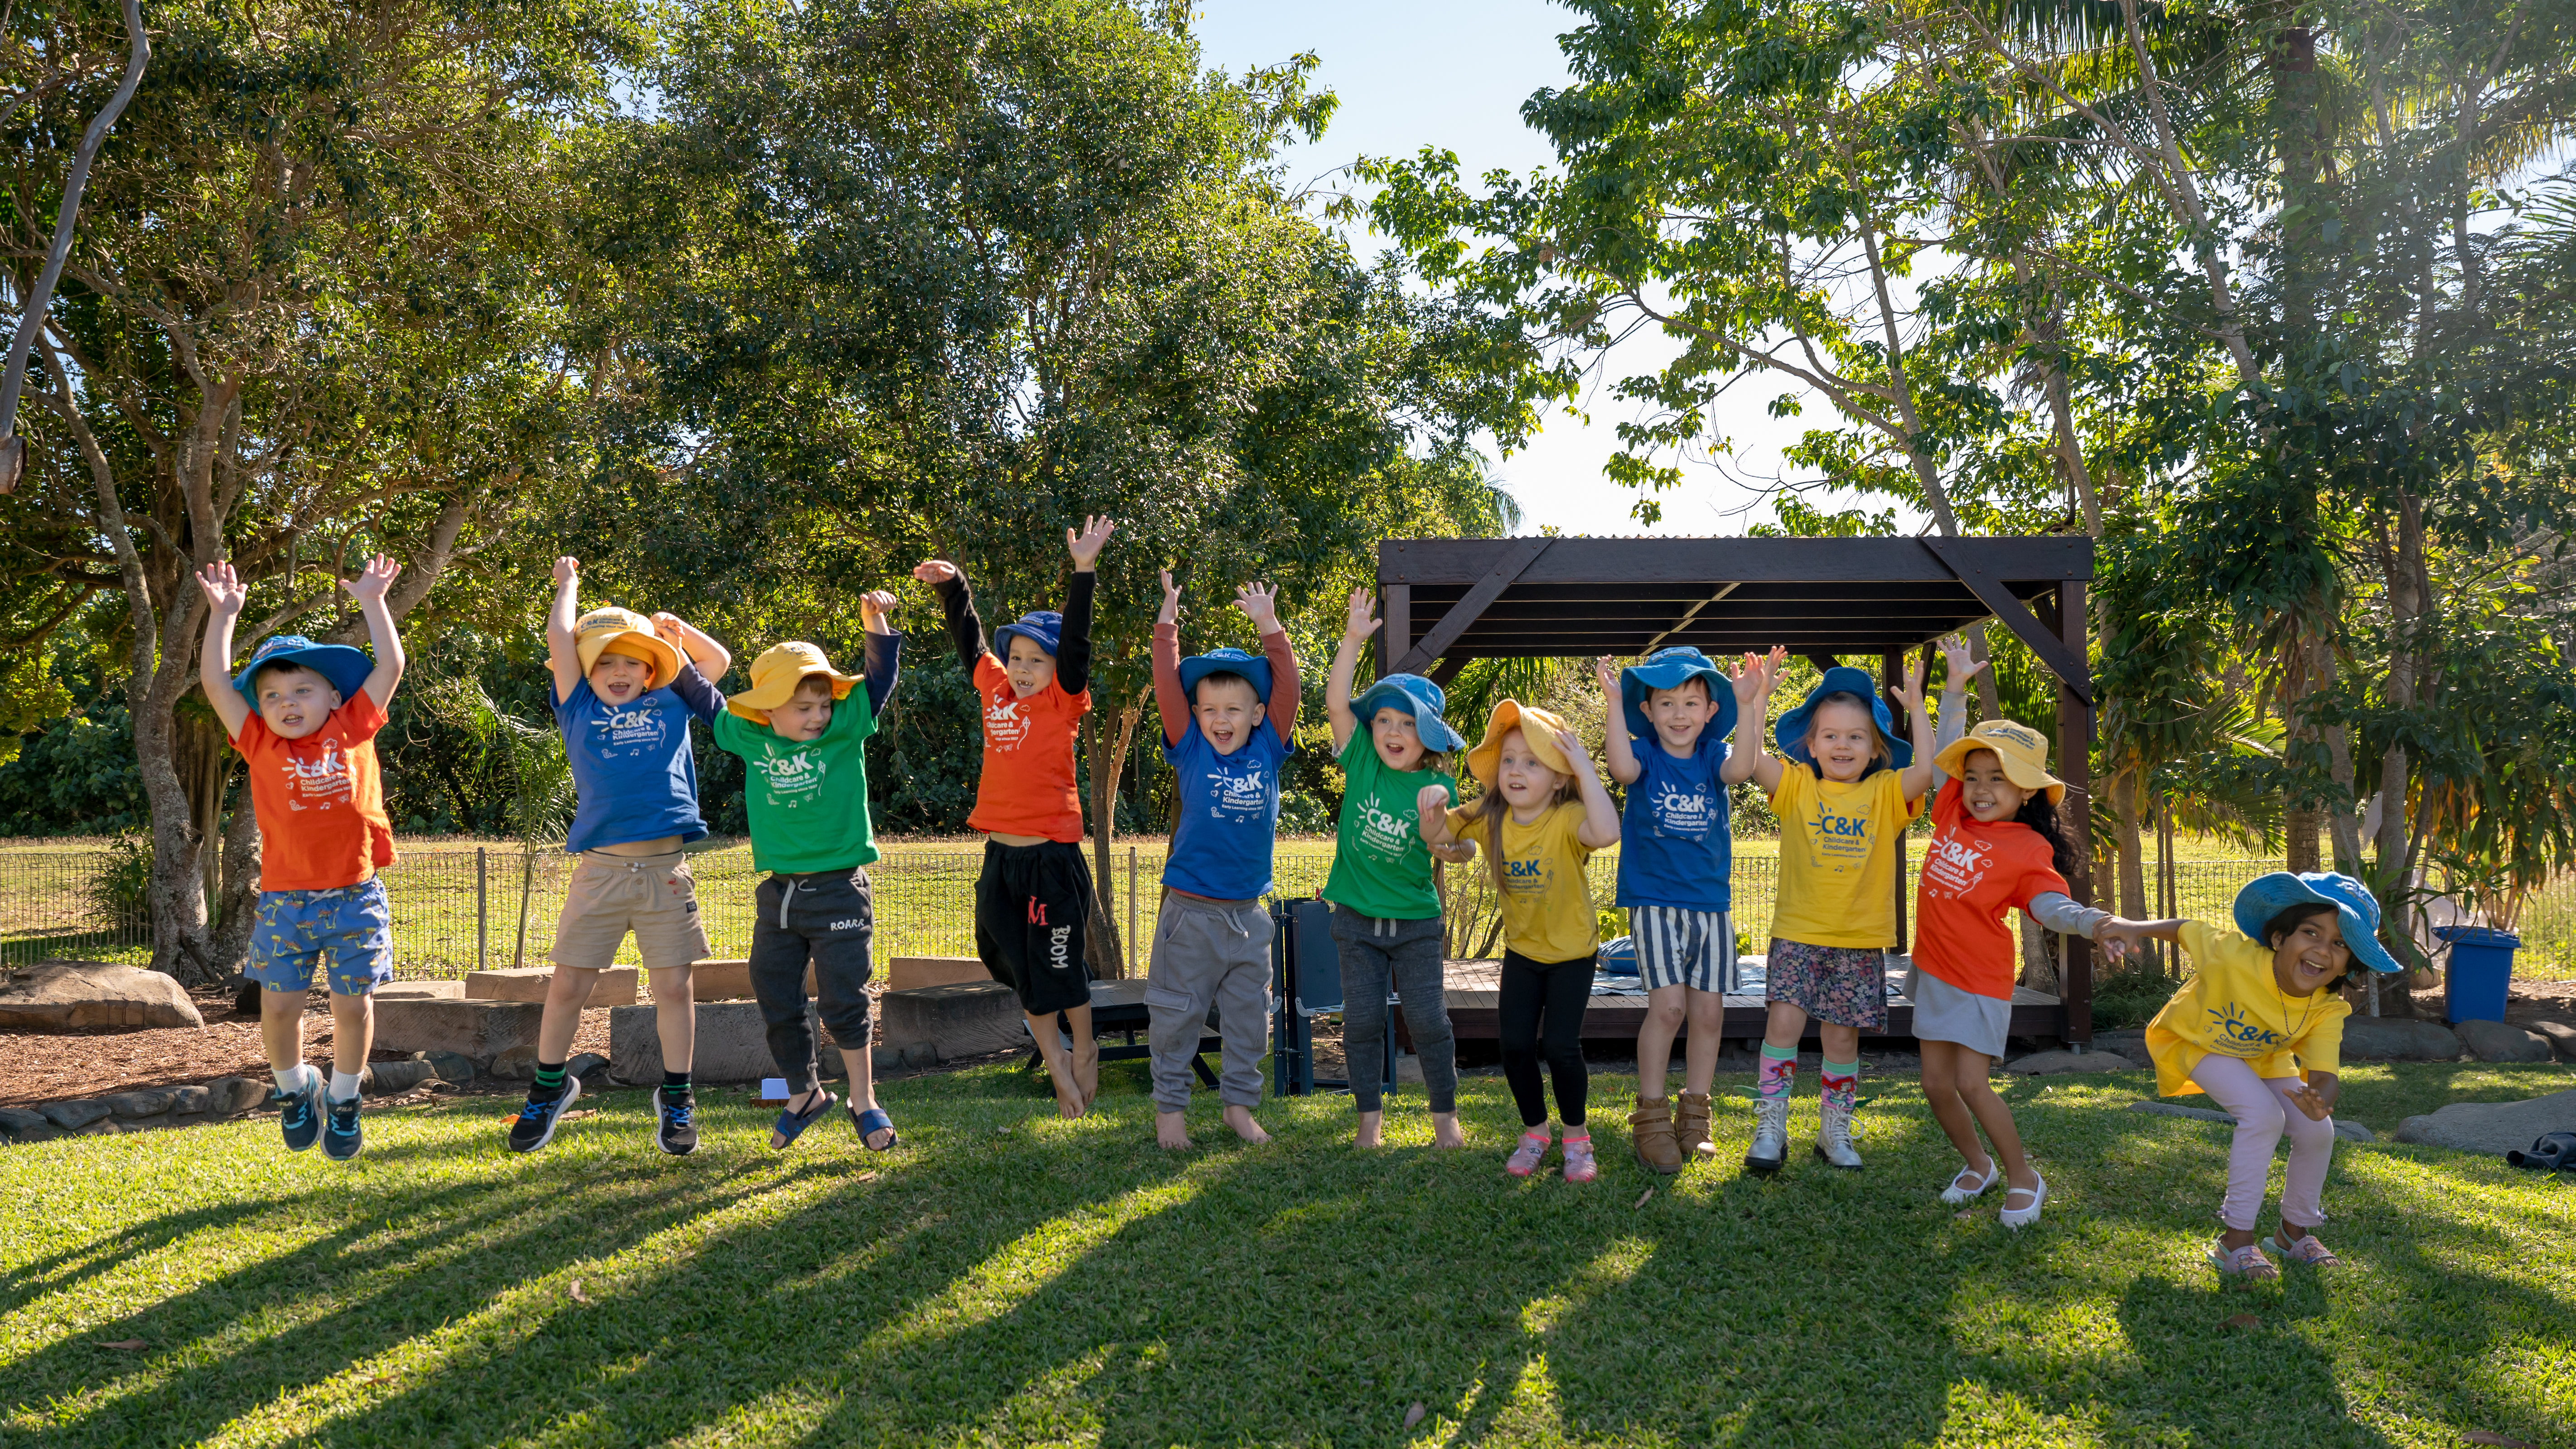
459 908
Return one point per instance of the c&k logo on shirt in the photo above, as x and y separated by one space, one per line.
2239 1037
1953 867
317 783
1005 727
639 726
798 774
1386 832
1532 874
1842 839
1238 795
1678 811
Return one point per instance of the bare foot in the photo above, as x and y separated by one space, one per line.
1069 1101
1171 1129
1444 1130
1240 1119
1086 1072
1370 1134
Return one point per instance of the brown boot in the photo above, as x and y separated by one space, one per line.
1650 1132
1690 1127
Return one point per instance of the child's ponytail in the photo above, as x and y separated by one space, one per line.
2041 816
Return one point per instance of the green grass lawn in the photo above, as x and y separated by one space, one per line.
1006 1278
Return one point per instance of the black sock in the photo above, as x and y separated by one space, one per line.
549 1083
675 1085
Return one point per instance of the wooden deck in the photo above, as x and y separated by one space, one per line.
1475 1002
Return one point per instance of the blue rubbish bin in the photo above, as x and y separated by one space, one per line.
2481 968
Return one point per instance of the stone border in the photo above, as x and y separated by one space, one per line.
225 1099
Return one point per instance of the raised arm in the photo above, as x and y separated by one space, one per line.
1600 827
1957 670
1431 819
368 588
957 603
1614 718
1753 721
695 645
1168 702
1917 777
1357 626
1073 644
562 658
224 599
1260 603
884 649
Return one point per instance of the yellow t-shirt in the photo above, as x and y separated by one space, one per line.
2234 1006
1838 857
1547 903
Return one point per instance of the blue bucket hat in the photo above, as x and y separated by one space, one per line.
1226 661
1667 669
1791 732
346 668
1042 627
2356 910
1416 696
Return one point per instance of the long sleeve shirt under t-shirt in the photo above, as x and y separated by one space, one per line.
1229 825
1026 786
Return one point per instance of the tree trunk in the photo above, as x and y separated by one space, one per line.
2302 825
1989 700
1107 751
2038 958
2132 866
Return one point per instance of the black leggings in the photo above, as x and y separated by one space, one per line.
1542 1016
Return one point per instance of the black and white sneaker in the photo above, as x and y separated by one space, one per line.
678 1132
299 1114
536 1125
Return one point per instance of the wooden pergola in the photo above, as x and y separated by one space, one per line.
1831 600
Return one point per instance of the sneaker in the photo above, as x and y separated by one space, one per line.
678 1133
340 1136
536 1125
299 1114
1834 1134
1770 1147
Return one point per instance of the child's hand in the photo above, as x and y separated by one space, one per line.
668 626
1260 603
1910 693
225 595
567 570
1171 598
1362 620
1572 744
1756 674
1431 802
934 571
2120 939
2311 1104
875 604
1958 667
1606 670
371 582
1086 546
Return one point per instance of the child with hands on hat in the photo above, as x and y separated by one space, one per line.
1229 722
1393 745
1033 899
304 717
1844 788
1544 811
626 688
2259 1027
802 731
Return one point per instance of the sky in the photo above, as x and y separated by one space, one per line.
1453 74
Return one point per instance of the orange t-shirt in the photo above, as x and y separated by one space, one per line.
1027 787
1972 877
320 800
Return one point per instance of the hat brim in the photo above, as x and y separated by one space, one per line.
1954 756
1002 641
1638 681
1435 732
755 703
1510 715
345 668
1791 733
657 652
2267 896
1200 666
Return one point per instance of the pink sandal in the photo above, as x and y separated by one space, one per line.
1579 1166
2246 1262
1525 1156
2306 1250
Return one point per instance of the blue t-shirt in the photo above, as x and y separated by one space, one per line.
1229 814
1674 849
633 775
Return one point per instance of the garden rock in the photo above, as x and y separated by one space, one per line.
73 1116
421 991
449 1066
2562 1037
2494 1041
614 986
23 1126
233 1096
2493 1127
518 1064
70 995
145 1103
585 1063
2398 1039
733 1043
2348 1131
2050 1064
965 1020
190 1101
480 1031
385 1079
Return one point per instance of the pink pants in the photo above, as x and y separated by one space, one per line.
2262 1111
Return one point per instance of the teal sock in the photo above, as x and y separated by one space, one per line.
1841 1082
1779 1070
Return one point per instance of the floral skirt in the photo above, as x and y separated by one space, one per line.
1845 985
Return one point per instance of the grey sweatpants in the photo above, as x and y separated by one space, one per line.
828 918
1209 951
1375 952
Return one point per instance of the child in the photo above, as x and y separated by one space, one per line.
802 733
1033 900
626 688
1675 870
304 717
1845 792
1542 814
1997 846
1229 722
2259 1027
1393 747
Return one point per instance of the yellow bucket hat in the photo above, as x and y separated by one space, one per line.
1512 715
624 632
774 676
2023 751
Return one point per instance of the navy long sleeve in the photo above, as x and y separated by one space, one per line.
884 656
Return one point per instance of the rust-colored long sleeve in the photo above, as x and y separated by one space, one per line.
1284 685
1167 682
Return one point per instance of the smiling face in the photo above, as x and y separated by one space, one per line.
293 701
807 712
1842 738
619 678
1397 737
1228 710
2309 954
1679 715
1527 785
1030 668
1989 794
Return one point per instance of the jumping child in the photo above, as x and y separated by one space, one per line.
304 717
626 688
1542 814
1667 742
2259 1027
1033 899
1844 788
1393 746
802 731
1229 722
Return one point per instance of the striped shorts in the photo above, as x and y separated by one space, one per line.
1683 948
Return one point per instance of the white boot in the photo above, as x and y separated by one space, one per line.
1834 1135
1770 1136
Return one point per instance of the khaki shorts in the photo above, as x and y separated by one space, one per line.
654 896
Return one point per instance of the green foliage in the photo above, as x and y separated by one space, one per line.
120 889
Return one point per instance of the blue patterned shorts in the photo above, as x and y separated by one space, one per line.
352 926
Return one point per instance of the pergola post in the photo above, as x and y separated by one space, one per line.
2075 767
1891 673
1395 634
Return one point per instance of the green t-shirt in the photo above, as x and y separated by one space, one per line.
1381 868
808 802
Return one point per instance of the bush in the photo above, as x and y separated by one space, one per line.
120 890
2129 995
